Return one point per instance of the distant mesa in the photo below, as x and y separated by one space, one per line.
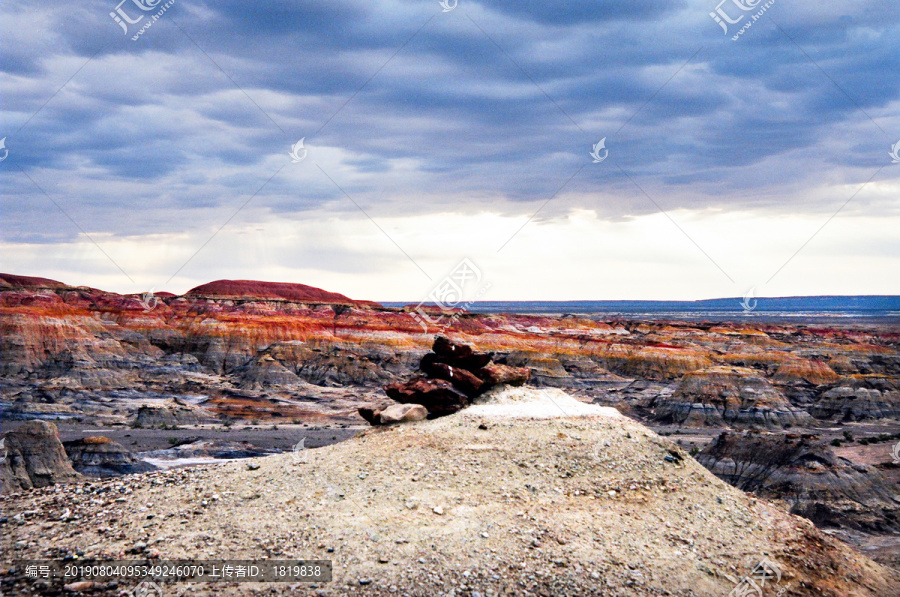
251 289
220 289
14 282
432 309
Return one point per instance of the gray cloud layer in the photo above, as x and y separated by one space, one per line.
494 104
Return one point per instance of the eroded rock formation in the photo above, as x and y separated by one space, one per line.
33 456
170 412
99 456
251 349
728 395
859 399
803 472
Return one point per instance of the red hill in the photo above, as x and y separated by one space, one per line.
12 281
253 289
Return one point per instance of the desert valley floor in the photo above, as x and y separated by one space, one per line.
680 452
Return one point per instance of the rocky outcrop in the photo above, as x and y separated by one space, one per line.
33 456
11 281
265 371
438 396
805 370
170 412
727 396
804 473
652 362
455 374
859 399
99 456
545 369
331 364
349 365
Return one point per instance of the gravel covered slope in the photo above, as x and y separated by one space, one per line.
563 499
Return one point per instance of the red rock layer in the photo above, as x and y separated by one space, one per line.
255 290
56 337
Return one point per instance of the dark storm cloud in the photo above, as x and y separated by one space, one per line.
152 130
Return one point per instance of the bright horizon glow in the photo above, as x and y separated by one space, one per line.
535 265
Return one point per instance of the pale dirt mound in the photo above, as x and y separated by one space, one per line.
506 402
478 502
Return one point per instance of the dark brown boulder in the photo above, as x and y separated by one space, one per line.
452 349
426 365
33 456
495 373
460 354
470 363
437 395
371 411
461 379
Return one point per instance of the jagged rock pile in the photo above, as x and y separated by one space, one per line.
453 375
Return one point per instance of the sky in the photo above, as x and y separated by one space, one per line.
566 150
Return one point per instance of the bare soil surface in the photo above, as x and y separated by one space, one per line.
562 498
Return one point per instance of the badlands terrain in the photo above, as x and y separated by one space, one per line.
636 487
